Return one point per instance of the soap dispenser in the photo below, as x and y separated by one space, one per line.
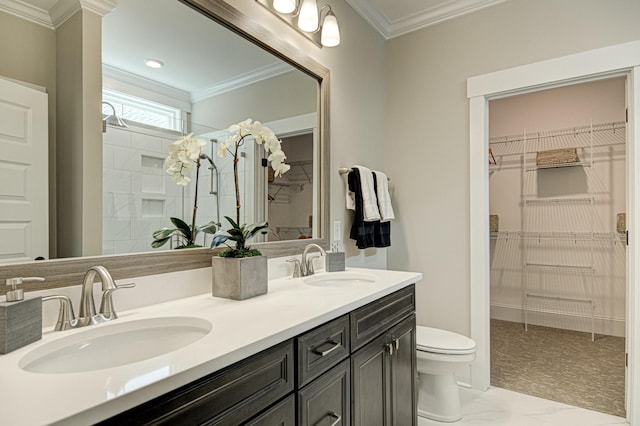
20 318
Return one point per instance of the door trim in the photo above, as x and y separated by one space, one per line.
617 60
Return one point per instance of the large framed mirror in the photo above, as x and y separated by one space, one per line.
292 125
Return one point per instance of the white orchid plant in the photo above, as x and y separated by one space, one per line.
184 157
264 136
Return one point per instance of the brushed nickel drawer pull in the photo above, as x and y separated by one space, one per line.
390 348
332 415
335 346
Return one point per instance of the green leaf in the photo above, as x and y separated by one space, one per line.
209 228
160 242
218 239
232 222
183 227
163 233
262 228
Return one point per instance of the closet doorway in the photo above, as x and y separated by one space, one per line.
557 200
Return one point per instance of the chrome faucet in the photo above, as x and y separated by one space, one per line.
88 315
307 264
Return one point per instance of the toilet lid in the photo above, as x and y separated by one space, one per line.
443 342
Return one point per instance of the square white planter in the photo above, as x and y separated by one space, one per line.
239 278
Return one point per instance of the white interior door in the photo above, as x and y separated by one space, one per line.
24 176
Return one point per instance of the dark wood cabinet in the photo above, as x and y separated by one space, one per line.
384 372
227 397
320 349
373 319
327 401
371 375
403 373
281 414
357 369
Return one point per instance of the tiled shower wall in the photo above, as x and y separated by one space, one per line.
139 196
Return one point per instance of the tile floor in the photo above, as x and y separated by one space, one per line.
501 407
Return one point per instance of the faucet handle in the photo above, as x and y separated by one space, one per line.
296 268
310 270
66 316
106 304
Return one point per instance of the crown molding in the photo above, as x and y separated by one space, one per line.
59 13
117 74
26 11
241 80
65 9
422 19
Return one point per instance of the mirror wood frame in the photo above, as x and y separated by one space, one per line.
69 271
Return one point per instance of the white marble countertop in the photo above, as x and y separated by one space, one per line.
240 329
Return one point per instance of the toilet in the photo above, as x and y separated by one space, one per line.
439 354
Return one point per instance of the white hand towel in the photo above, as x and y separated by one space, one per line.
350 196
369 200
384 199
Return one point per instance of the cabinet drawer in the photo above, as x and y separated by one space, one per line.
327 401
375 318
227 397
281 414
322 348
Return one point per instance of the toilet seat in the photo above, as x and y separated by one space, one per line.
439 341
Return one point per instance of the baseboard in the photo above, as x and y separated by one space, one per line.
564 320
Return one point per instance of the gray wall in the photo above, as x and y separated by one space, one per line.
428 126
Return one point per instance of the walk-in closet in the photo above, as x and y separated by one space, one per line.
557 188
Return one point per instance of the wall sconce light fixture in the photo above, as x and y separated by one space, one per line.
318 25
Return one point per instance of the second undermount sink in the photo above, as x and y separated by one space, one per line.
340 279
113 345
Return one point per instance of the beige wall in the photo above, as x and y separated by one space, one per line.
358 97
79 83
32 58
428 126
283 96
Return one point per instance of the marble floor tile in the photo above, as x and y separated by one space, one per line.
501 407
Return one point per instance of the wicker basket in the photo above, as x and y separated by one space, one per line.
621 223
557 156
494 223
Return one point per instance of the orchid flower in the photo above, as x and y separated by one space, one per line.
182 158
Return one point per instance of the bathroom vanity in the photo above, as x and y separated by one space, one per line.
324 351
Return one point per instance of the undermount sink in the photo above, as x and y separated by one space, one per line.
113 345
340 279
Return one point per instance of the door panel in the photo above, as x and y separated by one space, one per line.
24 191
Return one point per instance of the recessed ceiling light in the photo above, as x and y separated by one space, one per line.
154 63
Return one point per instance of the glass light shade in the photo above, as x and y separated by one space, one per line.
284 6
330 31
308 19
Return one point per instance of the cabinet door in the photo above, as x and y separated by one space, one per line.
228 397
281 414
371 372
403 373
326 401
384 378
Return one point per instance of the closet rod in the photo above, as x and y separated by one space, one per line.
603 127
345 170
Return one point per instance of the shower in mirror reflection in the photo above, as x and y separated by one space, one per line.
113 119
304 16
